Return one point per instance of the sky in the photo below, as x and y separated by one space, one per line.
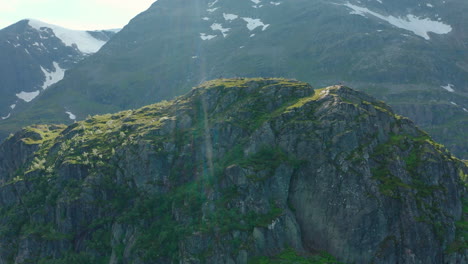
73 14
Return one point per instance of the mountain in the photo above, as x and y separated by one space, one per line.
236 171
413 55
34 55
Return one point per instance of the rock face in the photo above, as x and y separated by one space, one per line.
236 171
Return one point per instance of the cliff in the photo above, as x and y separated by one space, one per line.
236 171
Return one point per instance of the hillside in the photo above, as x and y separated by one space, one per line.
236 171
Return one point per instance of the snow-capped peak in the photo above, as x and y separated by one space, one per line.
84 41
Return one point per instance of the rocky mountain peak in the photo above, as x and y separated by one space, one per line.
235 171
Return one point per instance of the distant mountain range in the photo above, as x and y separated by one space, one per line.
34 55
411 54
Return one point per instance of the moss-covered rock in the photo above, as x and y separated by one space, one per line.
236 171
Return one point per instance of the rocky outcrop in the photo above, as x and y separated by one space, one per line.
445 122
236 171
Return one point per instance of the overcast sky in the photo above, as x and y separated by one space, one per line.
73 14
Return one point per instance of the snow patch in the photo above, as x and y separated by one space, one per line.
211 10
212 3
6 117
255 23
82 39
13 106
256 1
206 18
217 26
52 77
252 35
229 17
204 36
28 96
449 87
71 115
380 1
429 5
273 224
419 26
275 3
453 103
464 109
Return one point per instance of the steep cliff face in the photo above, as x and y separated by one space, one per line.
236 171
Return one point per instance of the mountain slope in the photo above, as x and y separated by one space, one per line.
236 171
410 54
34 55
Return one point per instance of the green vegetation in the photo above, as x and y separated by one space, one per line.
154 215
74 258
44 231
461 241
94 141
412 148
414 152
252 108
268 158
245 82
290 256
318 93
39 134
389 185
